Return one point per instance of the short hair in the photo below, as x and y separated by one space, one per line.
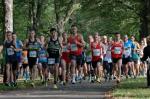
64 33
96 33
14 33
73 25
52 29
31 30
105 36
8 32
117 33
148 40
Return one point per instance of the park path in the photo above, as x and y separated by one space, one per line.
84 90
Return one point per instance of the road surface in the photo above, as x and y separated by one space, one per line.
84 90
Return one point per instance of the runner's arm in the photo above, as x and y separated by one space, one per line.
82 43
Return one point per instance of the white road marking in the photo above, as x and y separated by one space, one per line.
50 96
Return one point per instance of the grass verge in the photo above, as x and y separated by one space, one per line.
20 85
132 89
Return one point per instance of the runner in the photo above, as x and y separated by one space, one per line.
127 56
108 60
83 65
42 60
89 57
105 47
116 53
135 56
65 61
146 55
32 45
18 49
11 59
143 65
76 43
54 50
26 73
96 49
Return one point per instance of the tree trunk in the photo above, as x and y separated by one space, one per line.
148 16
35 12
8 6
3 19
32 14
60 27
61 19
8 21
144 14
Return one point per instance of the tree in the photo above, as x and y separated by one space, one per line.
107 16
8 6
148 17
144 18
63 10
35 12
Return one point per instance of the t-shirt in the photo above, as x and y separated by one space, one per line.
19 45
128 46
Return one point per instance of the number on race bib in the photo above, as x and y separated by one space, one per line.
32 54
88 59
117 50
25 60
51 61
65 49
127 52
109 61
10 51
74 47
96 52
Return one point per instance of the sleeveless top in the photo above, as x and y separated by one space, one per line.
10 52
54 48
33 47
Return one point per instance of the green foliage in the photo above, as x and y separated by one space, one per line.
108 16
104 16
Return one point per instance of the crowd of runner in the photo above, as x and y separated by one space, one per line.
70 58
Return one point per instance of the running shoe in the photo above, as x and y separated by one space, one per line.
33 85
98 80
55 86
73 81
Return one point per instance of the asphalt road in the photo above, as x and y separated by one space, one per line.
84 90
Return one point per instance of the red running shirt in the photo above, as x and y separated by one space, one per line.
65 53
96 51
117 50
75 49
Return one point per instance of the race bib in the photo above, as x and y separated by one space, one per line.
32 54
96 52
74 47
109 60
127 52
51 61
65 49
108 55
10 51
88 59
117 50
42 59
25 60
